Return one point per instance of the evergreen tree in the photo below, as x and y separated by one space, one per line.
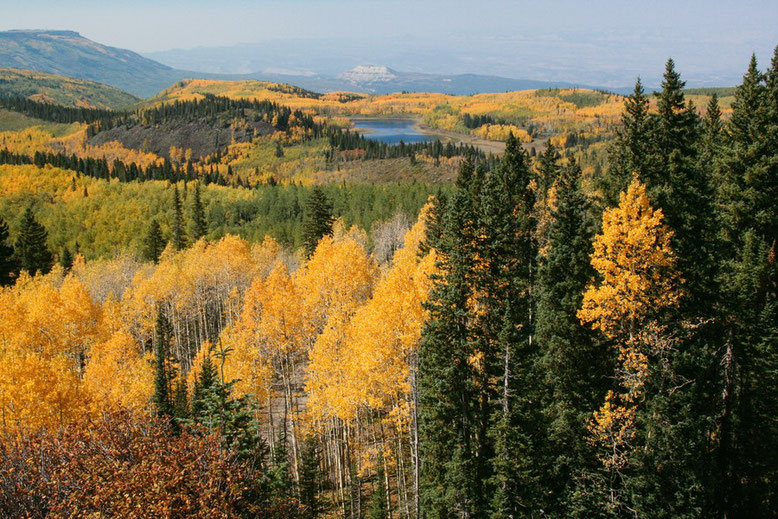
318 219
8 268
66 259
450 482
747 431
199 226
683 189
161 398
632 149
214 408
712 140
279 149
179 238
504 328
32 253
548 169
153 243
310 480
204 386
378 504
279 478
180 401
572 364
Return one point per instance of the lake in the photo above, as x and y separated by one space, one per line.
390 131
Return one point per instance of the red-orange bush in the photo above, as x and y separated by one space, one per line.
128 466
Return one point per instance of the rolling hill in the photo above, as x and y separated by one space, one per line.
61 90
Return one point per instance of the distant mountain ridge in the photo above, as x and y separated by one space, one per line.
70 54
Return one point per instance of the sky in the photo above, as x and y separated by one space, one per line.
557 39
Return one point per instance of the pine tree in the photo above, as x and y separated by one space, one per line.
572 366
310 480
378 504
153 243
446 381
214 408
206 381
179 238
548 169
318 219
32 253
161 398
747 431
8 266
180 401
712 140
632 151
66 259
504 329
199 226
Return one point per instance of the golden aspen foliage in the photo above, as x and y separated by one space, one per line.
386 331
337 279
338 276
118 376
364 363
636 265
48 326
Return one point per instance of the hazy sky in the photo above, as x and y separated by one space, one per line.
704 36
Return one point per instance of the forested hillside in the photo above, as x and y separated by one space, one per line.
62 90
211 308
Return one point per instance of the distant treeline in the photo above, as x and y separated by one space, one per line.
58 113
343 140
99 168
476 121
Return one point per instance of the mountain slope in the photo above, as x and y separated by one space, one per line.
61 90
70 54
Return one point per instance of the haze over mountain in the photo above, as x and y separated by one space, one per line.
70 54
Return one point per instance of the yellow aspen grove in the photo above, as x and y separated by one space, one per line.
118 375
270 332
359 381
636 264
49 324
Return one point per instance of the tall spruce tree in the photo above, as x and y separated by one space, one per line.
161 397
153 243
677 421
32 253
8 266
632 151
504 328
747 433
179 237
572 364
318 219
451 475
66 259
310 480
378 508
198 224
